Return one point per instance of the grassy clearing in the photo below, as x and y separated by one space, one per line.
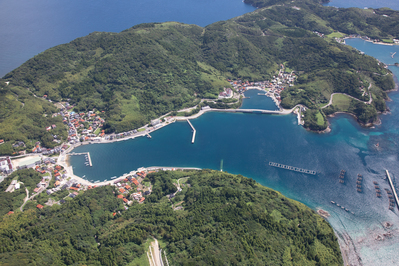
342 102
335 34
320 119
387 40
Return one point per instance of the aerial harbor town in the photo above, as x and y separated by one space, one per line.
87 127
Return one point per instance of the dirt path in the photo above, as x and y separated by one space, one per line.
25 199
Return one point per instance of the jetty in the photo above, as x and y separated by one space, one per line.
148 135
83 153
194 131
393 188
292 168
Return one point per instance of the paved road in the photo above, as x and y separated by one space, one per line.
332 95
155 259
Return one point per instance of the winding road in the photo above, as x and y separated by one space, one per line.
332 95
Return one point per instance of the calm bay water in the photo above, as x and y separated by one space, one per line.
247 142
30 27
365 3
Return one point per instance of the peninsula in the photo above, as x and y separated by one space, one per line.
151 69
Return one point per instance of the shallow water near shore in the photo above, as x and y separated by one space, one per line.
248 142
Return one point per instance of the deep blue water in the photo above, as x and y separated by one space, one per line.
30 27
247 142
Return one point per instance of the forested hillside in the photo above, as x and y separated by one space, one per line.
151 69
225 220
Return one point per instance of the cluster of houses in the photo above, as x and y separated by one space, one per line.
131 183
6 165
83 126
319 34
273 87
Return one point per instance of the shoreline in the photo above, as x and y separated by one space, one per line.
381 43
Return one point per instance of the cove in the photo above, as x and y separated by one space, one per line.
247 142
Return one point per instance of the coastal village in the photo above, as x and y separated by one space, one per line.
87 127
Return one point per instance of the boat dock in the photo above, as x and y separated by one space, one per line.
292 168
83 153
393 188
148 135
194 131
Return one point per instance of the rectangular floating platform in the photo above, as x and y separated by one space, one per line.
292 168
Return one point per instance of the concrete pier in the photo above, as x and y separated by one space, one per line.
88 156
82 153
393 189
194 131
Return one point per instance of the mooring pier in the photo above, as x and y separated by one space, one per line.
83 153
393 188
292 168
194 131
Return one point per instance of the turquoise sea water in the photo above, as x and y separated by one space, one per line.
247 142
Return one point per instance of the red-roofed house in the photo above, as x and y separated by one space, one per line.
142 200
134 180
125 200
121 190
39 206
128 187
10 212
119 196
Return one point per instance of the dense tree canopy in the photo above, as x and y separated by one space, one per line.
225 220
151 69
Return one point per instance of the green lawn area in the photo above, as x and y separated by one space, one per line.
387 40
342 102
141 129
97 131
335 34
320 119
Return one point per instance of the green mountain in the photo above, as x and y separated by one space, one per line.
152 69
224 220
